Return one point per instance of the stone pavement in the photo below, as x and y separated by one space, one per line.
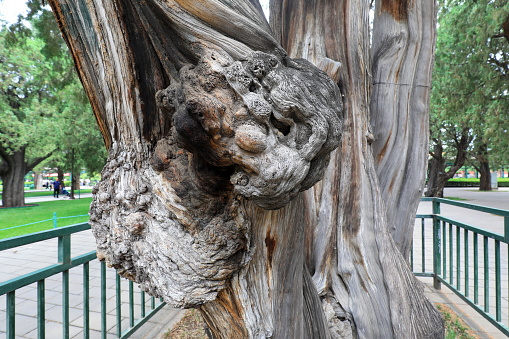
496 199
480 326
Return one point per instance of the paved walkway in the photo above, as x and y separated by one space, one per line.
497 199
28 258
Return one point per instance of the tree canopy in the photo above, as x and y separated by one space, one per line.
43 109
470 96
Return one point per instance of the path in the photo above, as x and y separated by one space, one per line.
26 259
496 199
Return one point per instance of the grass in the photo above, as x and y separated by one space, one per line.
10 217
455 328
191 326
50 192
455 198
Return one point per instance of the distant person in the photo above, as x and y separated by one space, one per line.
56 188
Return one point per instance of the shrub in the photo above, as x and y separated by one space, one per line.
473 182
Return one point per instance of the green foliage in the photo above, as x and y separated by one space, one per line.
473 182
471 78
25 96
43 107
10 217
454 326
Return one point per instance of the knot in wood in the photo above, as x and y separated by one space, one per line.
272 121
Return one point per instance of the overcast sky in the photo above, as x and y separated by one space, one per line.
10 9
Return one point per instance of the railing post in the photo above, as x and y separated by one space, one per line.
54 219
436 245
506 229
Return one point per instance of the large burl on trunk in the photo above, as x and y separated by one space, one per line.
213 132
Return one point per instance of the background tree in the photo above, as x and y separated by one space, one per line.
81 145
26 135
44 109
470 87
197 101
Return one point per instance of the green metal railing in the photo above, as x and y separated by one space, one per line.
456 252
65 263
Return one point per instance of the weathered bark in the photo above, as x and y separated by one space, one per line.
358 271
207 120
404 36
438 176
253 124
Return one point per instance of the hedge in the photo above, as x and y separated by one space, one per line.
473 182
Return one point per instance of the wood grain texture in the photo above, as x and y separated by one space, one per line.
404 36
356 266
206 118
181 91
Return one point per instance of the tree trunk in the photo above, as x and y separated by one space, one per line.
76 180
404 37
484 169
38 181
211 130
60 175
13 178
349 251
438 176
435 187
75 184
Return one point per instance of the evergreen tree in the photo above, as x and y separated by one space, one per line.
470 97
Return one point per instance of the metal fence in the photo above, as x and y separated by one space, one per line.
471 261
145 307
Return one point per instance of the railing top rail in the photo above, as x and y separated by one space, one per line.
21 240
492 210
472 228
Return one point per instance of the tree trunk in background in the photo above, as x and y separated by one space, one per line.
436 171
38 181
436 184
162 75
76 180
13 178
60 176
484 169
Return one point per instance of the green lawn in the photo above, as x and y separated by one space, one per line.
10 217
50 192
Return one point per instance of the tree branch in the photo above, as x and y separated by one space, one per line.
37 161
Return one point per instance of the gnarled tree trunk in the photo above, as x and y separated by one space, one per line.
212 131
438 176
